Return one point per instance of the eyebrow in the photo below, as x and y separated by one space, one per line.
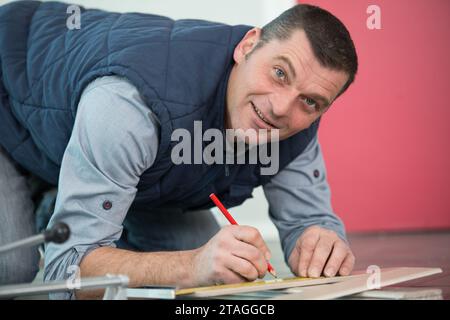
286 60
324 100
289 63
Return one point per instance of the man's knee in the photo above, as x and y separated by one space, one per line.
19 266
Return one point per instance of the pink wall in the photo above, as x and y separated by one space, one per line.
386 141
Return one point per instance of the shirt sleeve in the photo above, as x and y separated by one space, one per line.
299 197
114 140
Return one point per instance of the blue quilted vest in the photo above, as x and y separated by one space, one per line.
180 68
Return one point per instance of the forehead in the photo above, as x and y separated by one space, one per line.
296 46
296 52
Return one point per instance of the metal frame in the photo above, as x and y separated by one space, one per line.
115 286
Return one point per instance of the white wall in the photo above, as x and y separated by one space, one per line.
252 12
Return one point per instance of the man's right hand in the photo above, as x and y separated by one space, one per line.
235 254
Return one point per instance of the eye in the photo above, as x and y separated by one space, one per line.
310 103
280 74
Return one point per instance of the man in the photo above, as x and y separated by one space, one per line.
97 107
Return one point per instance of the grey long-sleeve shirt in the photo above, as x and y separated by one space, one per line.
114 140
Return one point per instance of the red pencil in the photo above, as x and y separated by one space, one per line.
232 221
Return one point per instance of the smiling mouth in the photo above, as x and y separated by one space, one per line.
261 116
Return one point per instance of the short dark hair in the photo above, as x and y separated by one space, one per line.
329 38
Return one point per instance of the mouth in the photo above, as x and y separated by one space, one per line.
261 116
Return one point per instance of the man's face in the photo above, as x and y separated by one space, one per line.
281 85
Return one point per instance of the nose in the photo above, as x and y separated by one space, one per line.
283 102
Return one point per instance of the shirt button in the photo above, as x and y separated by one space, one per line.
107 205
316 173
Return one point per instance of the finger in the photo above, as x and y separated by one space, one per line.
251 236
320 256
348 264
229 276
307 246
242 267
340 251
251 254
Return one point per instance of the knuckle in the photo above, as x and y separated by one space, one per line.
326 247
331 233
308 244
254 233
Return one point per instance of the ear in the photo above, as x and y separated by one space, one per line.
246 45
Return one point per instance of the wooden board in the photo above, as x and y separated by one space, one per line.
318 288
259 285
358 284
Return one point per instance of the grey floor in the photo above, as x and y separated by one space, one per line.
419 249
